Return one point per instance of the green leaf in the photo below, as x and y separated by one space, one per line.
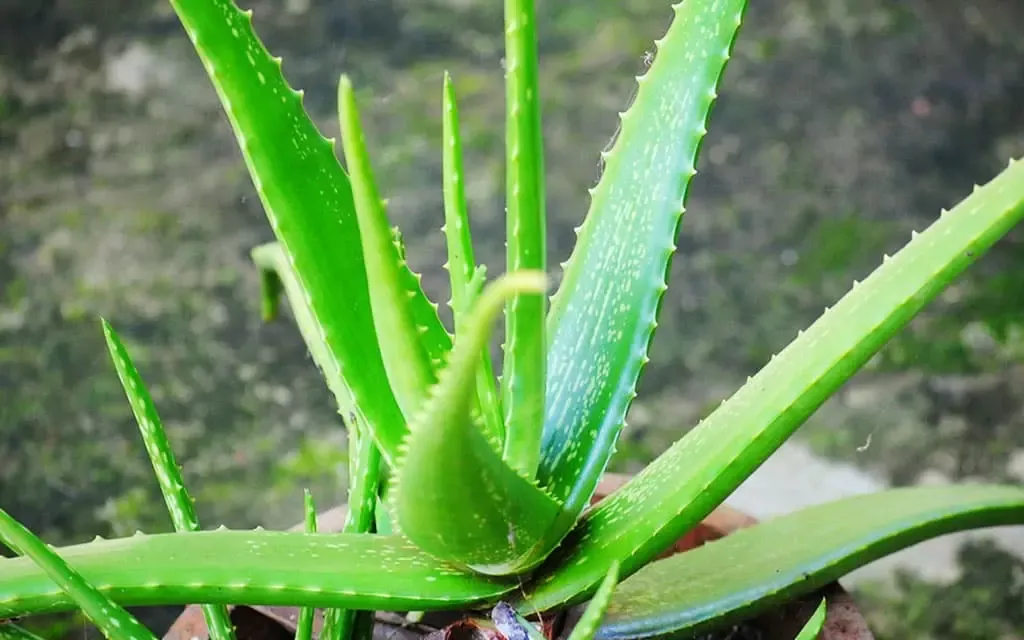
305 193
598 605
461 261
604 314
815 623
11 631
773 562
304 625
161 455
406 360
113 621
699 471
363 485
273 568
523 375
455 497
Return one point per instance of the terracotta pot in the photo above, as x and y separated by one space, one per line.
844 621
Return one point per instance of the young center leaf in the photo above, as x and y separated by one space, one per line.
754 569
522 376
461 264
454 496
700 470
411 367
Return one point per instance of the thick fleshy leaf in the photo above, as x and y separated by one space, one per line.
305 193
168 474
454 495
115 622
603 317
699 471
286 568
461 264
776 561
406 361
522 375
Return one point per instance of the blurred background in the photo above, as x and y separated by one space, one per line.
842 126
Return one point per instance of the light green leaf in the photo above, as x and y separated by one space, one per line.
115 622
273 568
463 272
699 471
774 562
363 486
604 314
598 605
815 623
523 375
11 631
435 338
161 455
455 497
406 358
304 193
304 625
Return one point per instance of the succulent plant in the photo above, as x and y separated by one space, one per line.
467 490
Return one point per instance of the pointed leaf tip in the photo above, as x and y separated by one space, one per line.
502 525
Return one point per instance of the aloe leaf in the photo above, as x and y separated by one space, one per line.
307 199
814 625
11 631
161 455
461 264
435 338
700 470
304 624
455 497
405 356
773 562
598 605
364 479
115 622
604 314
522 377
273 568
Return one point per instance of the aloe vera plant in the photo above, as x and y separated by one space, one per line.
467 491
